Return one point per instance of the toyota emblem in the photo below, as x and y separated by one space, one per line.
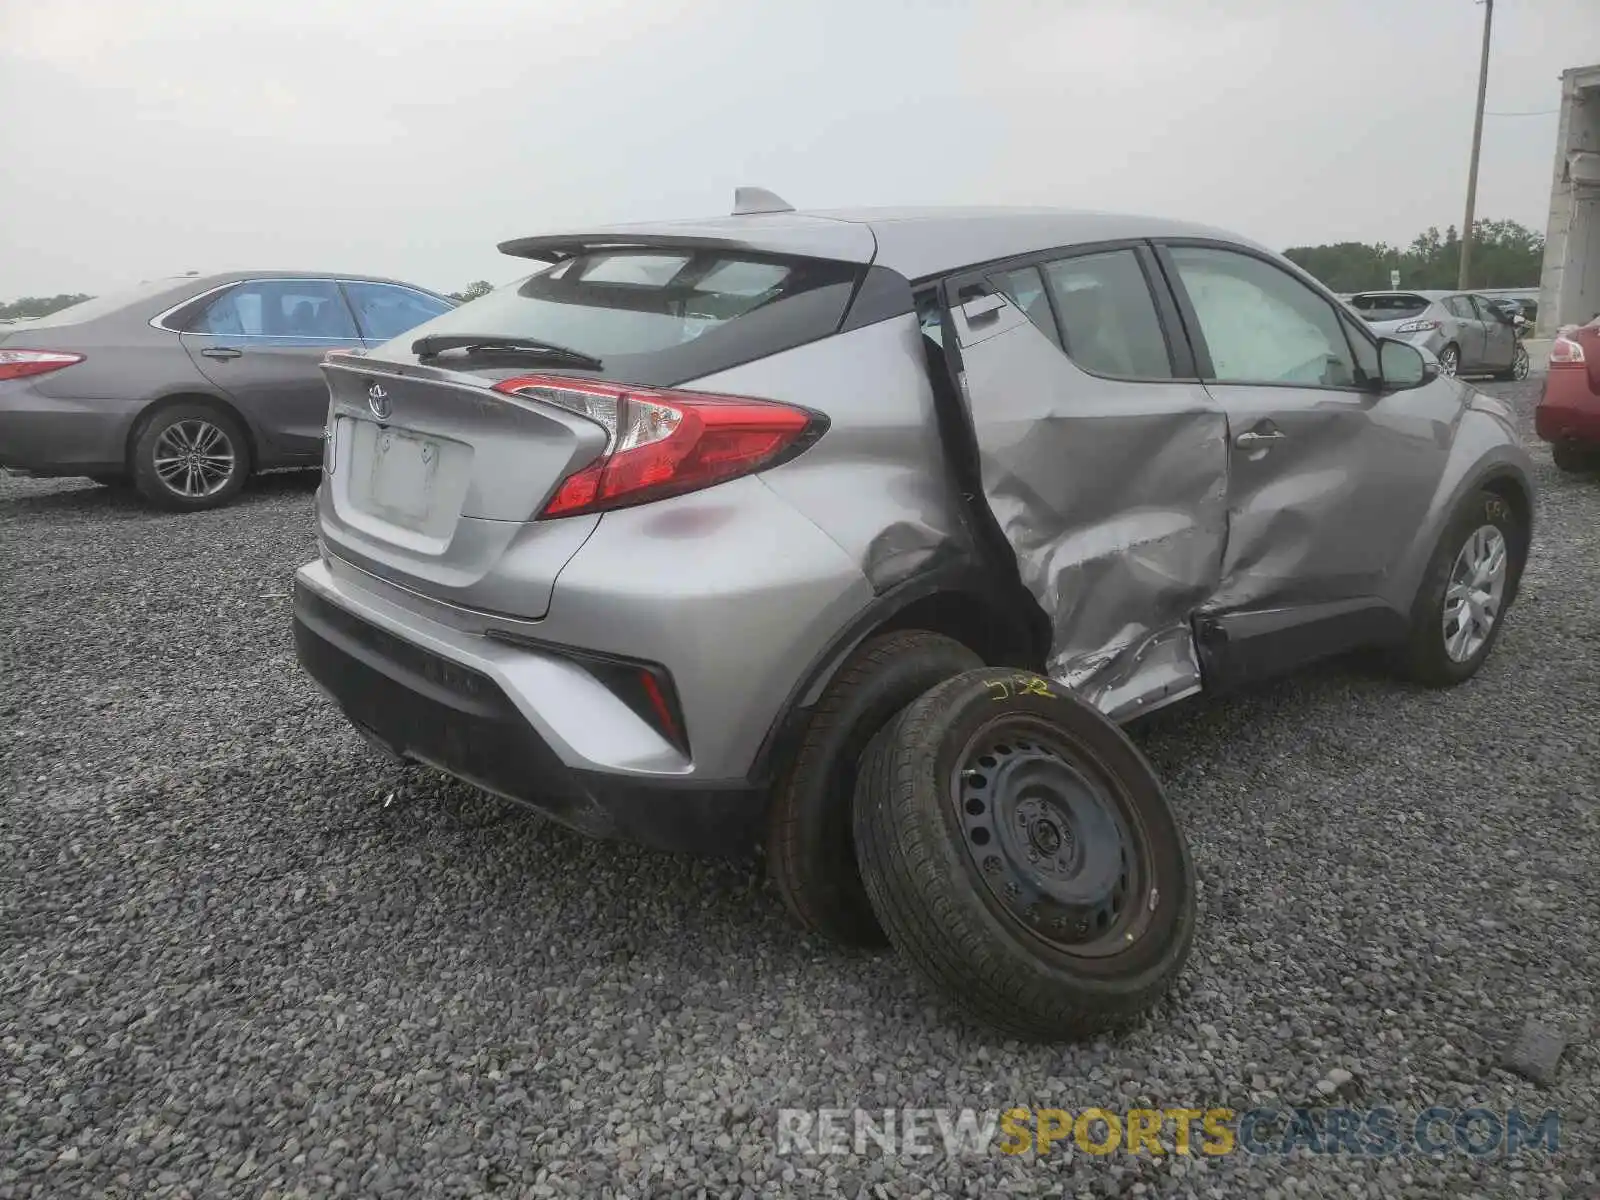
379 400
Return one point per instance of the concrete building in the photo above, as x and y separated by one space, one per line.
1569 287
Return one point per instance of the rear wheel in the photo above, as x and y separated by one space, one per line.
1019 851
1449 361
810 847
189 457
1469 585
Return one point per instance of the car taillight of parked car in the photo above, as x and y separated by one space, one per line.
1565 352
664 443
1418 327
18 364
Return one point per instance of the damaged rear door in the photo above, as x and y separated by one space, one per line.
1103 460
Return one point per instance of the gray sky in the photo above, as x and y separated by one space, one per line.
405 138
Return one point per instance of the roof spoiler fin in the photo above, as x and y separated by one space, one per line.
747 201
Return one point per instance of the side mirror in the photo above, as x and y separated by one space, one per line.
1403 366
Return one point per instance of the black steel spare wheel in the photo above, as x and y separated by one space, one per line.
1020 852
1050 840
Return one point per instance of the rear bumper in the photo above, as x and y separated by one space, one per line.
43 435
1568 411
458 715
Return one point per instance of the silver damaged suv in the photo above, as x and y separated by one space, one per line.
858 535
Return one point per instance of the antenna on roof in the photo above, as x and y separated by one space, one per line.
748 201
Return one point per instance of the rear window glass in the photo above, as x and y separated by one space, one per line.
1388 306
662 317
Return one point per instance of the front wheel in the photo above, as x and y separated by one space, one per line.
190 457
1466 592
1518 370
1019 851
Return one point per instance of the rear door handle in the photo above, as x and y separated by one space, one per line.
221 352
1251 439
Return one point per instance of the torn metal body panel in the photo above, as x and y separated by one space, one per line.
1113 495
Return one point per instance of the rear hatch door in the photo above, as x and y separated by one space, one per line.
439 481
1385 312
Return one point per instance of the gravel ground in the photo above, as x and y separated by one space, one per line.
243 956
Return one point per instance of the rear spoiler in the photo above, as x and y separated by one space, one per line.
558 247
785 235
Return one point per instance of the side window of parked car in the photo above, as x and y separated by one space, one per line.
386 311
1460 306
1261 324
279 308
1108 317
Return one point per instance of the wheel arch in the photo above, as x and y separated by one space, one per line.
1498 472
1004 628
191 396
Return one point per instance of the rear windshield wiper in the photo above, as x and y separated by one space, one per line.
490 343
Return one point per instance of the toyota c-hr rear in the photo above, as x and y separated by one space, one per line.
857 535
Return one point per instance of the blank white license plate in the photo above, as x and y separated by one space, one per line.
404 469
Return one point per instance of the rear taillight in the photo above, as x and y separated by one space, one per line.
665 443
1418 327
18 364
1565 352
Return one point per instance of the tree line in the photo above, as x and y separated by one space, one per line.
40 306
1504 254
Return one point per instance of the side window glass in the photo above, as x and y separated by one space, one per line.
1108 316
386 311
279 308
1261 324
234 312
1025 289
1365 352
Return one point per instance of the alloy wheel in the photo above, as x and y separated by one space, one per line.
1449 361
1474 594
194 458
1519 363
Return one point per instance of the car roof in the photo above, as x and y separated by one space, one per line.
915 242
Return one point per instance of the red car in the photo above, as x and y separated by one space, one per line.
1568 416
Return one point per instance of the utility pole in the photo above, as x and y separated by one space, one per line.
1477 142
